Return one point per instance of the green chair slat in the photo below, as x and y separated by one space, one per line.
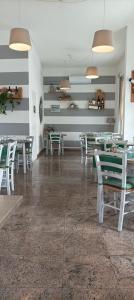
111 159
4 153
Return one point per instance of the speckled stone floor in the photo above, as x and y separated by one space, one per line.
52 247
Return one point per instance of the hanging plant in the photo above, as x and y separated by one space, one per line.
5 98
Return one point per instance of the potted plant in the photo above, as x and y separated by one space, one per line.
5 98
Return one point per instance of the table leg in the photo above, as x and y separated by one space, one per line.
24 158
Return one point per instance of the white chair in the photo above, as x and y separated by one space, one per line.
28 153
7 168
112 176
117 136
55 142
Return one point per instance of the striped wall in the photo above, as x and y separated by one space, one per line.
14 72
72 123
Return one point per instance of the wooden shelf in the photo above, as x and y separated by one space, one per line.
15 94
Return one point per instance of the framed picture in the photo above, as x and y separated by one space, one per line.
55 108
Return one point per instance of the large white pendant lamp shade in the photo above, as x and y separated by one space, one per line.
92 73
103 42
64 85
19 39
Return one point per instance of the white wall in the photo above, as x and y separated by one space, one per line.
129 106
35 92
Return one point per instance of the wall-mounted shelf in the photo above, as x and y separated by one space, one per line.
13 93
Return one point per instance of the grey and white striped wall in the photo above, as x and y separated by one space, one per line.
14 72
72 123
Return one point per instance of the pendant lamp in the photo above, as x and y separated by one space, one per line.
19 39
92 73
64 85
103 41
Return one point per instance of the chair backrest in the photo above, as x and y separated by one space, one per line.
117 136
11 148
55 137
1 147
29 143
108 144
111 165
82 139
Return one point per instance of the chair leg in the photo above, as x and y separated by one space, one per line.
121 214
59 149
100 203
62 148
115 201
17 161
51 149
12 178
8 182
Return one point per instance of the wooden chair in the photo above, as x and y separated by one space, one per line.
28 153
56 142
7 167
112 176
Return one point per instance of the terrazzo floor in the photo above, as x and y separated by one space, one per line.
52 247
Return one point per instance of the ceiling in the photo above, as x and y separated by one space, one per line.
63 31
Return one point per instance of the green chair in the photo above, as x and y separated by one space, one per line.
7 166
56 142
28 153
112 176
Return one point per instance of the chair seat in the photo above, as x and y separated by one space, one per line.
115 182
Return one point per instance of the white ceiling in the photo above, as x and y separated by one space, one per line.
63 32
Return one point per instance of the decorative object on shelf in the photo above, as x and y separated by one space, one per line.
92 104
98 102
64 97
48 129
55 108
9 97
92 72
14 93
41 110
57 89
72 106
102 42
100 97
131 79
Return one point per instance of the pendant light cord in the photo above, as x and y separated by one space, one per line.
104 13
19 12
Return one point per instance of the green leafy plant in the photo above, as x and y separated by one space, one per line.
5 98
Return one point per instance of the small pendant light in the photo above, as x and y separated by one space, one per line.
92 73
103 41
19 39
65 85
19 36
